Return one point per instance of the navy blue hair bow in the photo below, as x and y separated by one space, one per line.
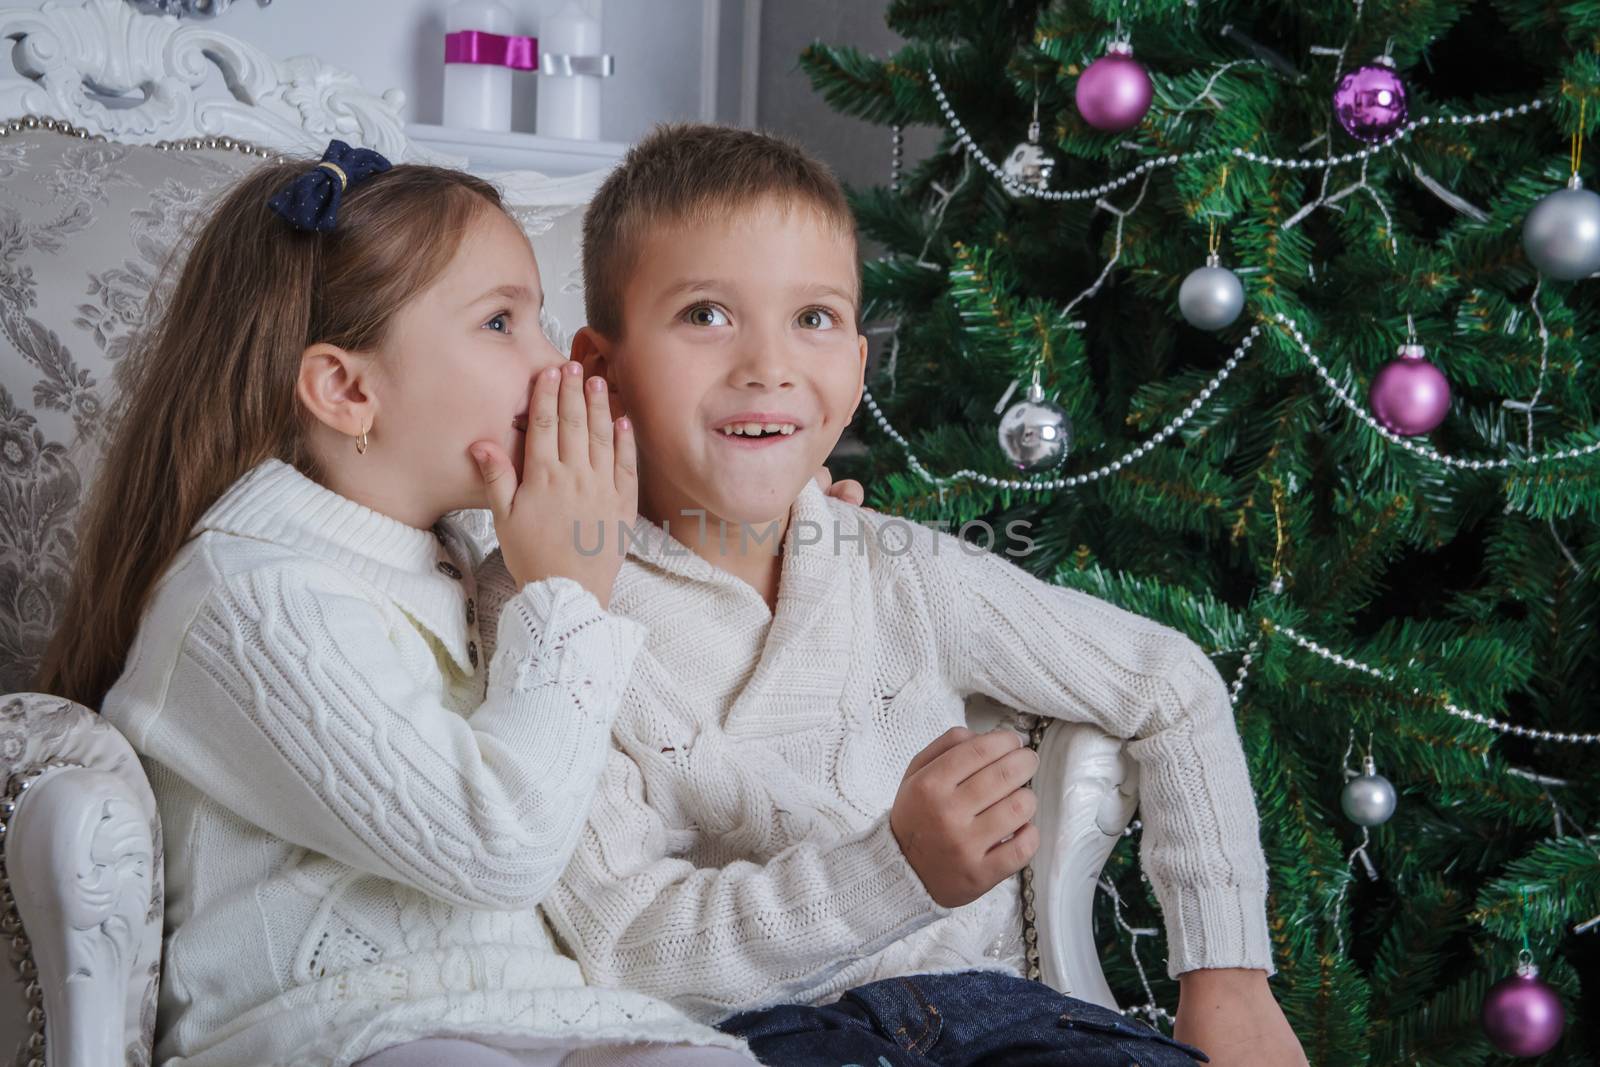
311 201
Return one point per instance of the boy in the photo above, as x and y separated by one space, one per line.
792 810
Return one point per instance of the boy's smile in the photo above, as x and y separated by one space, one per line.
739 364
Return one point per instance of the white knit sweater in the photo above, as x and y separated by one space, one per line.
356 835
739 853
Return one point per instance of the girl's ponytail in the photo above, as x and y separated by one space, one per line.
210 393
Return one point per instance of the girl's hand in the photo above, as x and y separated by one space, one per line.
579 485
849 490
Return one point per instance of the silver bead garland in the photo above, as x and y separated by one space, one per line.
897 158
964 139
1496 725
1077 479
1073 481
1425 451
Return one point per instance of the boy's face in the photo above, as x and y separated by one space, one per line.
747 318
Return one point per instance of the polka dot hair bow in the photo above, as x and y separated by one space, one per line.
311 201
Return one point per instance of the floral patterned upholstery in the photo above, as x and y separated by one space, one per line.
85 230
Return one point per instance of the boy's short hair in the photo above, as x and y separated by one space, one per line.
692 172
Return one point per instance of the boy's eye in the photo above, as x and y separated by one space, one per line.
501 323
706 315
817 319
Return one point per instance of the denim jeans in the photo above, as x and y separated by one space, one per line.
969 1019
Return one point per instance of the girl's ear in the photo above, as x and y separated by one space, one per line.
335 387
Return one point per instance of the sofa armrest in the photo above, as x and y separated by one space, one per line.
1088 792
1088 788
82 899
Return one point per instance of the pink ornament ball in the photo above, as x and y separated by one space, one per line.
1410 396
1370 102
1114 92
1522 1016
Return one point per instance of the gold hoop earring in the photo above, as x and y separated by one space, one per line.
361 443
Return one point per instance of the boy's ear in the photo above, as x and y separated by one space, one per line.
861 380
336 389
593 350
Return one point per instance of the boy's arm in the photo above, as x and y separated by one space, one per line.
1232 1017
717 940
1064 654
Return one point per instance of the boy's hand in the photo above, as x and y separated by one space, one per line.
849 490
1230 1014
961 816
577 469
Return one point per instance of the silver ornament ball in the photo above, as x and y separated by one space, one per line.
1035 434
1562 233
1211 297
1368 800
1029 164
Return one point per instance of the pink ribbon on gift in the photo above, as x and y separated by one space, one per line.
492 49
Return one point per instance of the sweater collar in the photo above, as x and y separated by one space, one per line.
809 626
417 569
657 547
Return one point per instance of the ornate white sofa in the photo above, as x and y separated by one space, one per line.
93 195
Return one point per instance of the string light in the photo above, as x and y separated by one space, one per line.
1149 1008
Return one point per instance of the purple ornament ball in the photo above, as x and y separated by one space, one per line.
1522 1016
1410 396
1370 102
1114 92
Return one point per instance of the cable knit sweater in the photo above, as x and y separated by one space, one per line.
359 813
739 851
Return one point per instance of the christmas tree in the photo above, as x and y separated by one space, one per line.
1354 455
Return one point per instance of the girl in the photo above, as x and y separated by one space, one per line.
360 814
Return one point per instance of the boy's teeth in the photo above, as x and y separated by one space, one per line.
755 429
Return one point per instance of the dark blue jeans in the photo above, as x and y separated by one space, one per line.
970 1019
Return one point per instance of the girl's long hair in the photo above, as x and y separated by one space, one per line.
210 391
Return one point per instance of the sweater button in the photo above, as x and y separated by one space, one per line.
449 568
472 654
472 612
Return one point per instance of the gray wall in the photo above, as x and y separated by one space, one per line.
859 152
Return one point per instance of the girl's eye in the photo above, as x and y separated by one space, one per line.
501 323
706 315
817 319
